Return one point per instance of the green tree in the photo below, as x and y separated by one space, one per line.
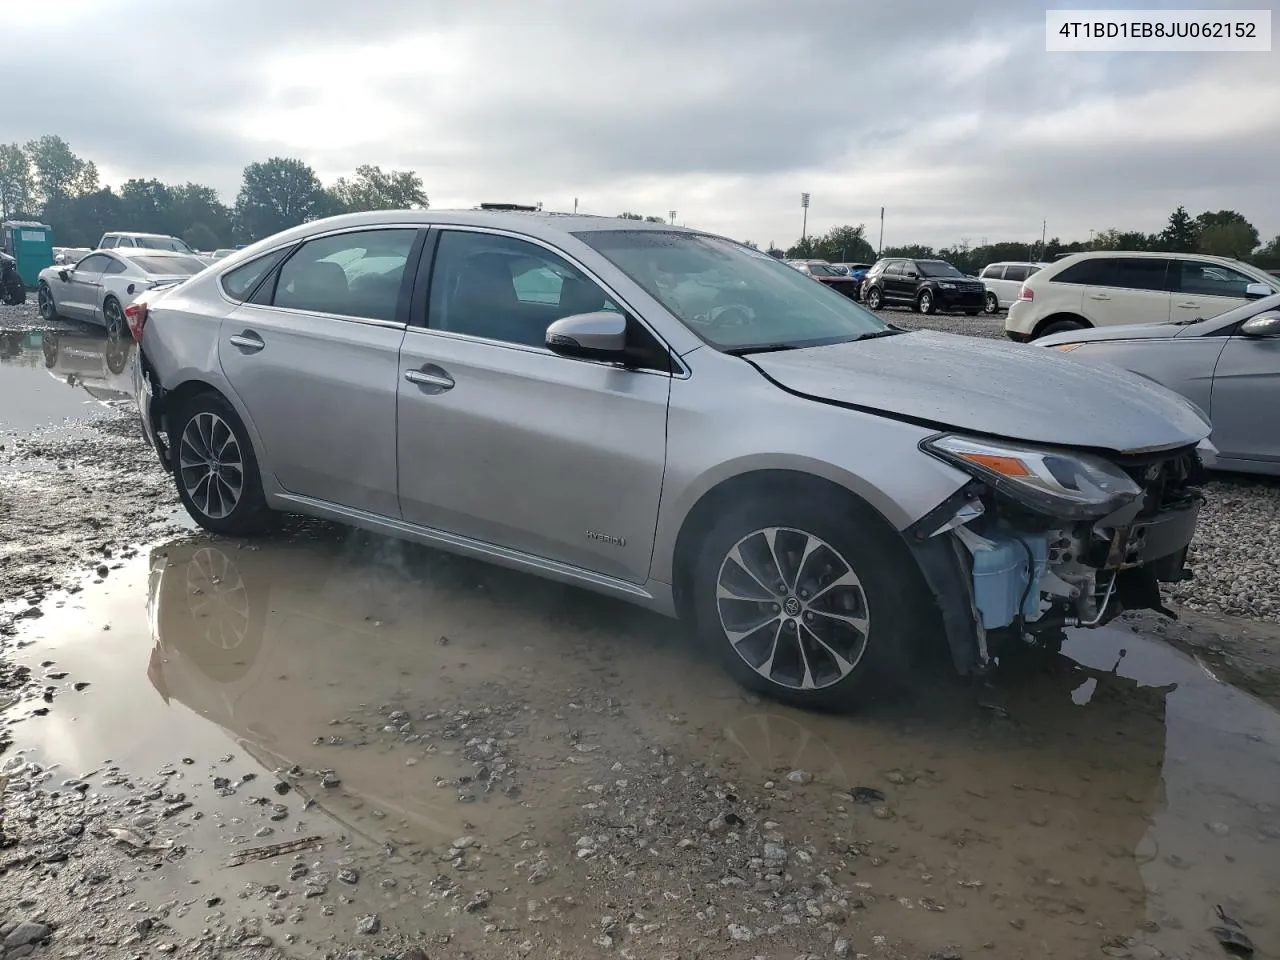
776 252
628 215
912 251
1180 236
195 203
17 183
804 249
652 219
1228 240
373 189
199 237
80 221
845 244
147 206
277 194
1228 218
1268 256
59 172
1113 239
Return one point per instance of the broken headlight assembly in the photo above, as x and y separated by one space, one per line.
1057 483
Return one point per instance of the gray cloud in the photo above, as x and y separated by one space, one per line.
950 114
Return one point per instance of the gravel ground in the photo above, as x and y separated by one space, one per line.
1237 547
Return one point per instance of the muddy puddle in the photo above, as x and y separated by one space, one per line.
522 769
48 376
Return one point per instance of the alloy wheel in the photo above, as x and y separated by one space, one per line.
114 316
792 608
211 465
44 301
992 304
926 302
218 598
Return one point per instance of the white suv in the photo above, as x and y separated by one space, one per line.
1105 288
1004 282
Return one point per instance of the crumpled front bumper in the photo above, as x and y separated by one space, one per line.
148 412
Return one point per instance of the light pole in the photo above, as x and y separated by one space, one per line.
804 224
673 217
881 246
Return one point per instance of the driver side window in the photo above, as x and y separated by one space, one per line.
504 289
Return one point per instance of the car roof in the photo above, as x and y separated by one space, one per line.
128 252
131 233
1149 254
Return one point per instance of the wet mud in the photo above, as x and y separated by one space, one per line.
508 767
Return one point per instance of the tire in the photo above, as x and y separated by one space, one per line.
113 318
874 298
207 422
849 541
991 303
44 300
925 302
1060 326
16 294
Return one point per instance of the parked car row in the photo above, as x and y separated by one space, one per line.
425 374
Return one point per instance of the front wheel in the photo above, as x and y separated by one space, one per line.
925 302
874 298
44 301
801 603
215 469
991 304
16 293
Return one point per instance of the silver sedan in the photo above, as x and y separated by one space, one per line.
99 287
1229 365
676 420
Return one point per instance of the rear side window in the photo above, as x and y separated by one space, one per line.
1097 271
239 284
115 266
1141 273
356 274
1016 271
170 266
992 273
108 243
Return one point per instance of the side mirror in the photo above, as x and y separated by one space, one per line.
1256 291
1263 325
601 335
64 274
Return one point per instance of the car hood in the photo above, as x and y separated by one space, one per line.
1126 331
988 387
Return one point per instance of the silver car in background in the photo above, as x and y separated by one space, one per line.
99 287
1229 365
676 420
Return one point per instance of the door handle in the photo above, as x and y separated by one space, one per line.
247 341
429 377
1098 296
1189 306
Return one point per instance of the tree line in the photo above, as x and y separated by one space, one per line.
45 180
1224 233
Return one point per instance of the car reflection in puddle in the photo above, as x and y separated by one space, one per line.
1117 789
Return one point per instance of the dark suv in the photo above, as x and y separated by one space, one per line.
926 286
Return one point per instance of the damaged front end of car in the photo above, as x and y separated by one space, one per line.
1042 539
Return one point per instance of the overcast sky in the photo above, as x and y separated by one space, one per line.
949 113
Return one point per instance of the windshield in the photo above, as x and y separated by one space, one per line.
163 243
730 295
822 270
170 266
938 268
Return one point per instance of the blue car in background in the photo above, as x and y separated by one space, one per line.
856 270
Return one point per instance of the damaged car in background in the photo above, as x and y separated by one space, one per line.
676 420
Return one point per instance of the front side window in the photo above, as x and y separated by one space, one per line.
992 272
108 242
1211 280
239 284
349 274
893 269
731 296
164 243
501 288
93 264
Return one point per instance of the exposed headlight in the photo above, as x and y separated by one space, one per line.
947 286
1057 483
1066 347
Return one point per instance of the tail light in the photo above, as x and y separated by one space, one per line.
1026 293
136 316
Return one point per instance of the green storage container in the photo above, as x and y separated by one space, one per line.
31 244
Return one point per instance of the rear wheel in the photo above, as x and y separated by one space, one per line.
1061 326
991 303
925 302
215 469
113 316
16 294
802 602
875 299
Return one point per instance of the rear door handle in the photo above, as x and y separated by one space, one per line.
1098 296
431 378
1189 306
249 342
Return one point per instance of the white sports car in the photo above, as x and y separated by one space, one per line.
100 286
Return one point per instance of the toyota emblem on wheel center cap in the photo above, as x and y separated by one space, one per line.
792 607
